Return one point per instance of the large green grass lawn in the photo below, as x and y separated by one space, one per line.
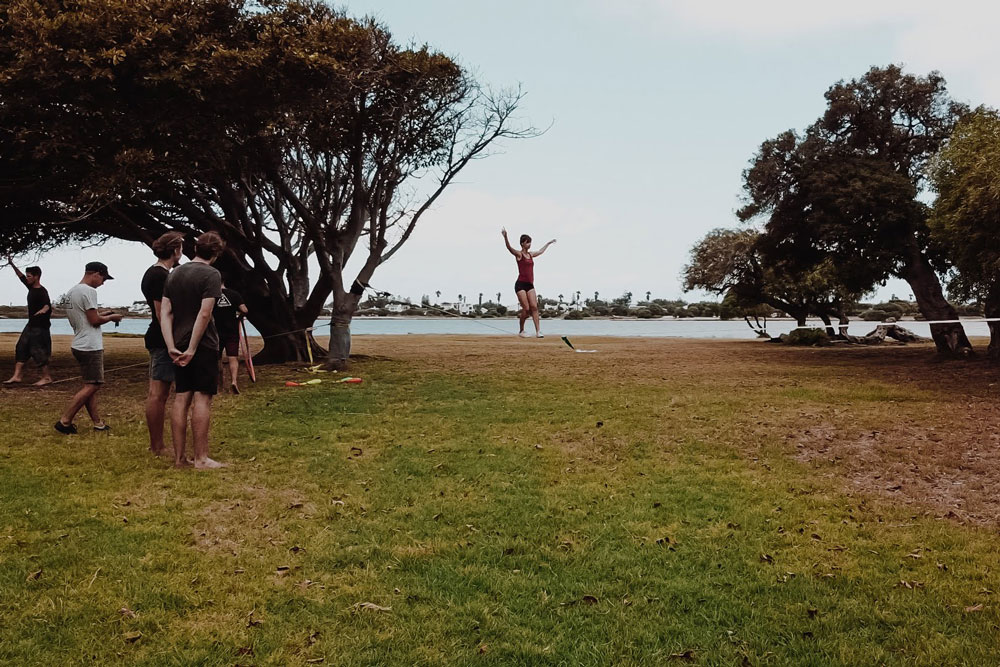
498 502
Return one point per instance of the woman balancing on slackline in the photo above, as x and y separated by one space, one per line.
525 285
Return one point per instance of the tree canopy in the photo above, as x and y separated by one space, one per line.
291 129
728 262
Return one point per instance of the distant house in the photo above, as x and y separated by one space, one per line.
397 307
139 308
462 308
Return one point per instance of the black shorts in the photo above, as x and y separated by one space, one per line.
523 286
35 343
230 344
200 375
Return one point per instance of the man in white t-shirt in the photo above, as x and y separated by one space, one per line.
87 346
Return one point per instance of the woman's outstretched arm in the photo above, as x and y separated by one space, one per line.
516 253
542 249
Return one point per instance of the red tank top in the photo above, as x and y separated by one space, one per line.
526 269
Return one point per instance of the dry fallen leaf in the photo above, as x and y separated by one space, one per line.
974 608
482 649
34 576
251 621
126 612
589 599
688 655
369 606
132 637
766 558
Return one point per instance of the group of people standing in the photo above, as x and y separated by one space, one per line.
194 319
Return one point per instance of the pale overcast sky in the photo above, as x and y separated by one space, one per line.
655 108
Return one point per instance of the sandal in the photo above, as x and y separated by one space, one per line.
102 427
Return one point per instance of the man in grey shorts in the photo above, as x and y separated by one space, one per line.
87 346
167 249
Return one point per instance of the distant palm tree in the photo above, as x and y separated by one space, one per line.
577 296
596 295
460 297
498 297
480 298
437 294
560 298
647 295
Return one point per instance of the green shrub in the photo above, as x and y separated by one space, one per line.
874 315
573 315
643 313
807 337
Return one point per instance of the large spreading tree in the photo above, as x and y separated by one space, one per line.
302 136
728 262
848 190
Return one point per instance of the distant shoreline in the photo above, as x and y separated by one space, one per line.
623 318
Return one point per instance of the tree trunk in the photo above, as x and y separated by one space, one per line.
950 339
829 325
992 309
345 304
279 323
281 330
843 320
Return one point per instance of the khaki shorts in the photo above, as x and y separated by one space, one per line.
91 365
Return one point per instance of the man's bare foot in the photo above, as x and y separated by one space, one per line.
12 381
234 389
183 463
158 452
42 382
208 464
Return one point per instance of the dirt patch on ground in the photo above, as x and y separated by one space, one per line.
928 436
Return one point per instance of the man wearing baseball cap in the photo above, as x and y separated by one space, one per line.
88 345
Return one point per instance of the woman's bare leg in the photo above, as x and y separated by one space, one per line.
523 314
533 308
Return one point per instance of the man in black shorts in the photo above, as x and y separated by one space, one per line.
167 249
193 343
35 342
229 310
